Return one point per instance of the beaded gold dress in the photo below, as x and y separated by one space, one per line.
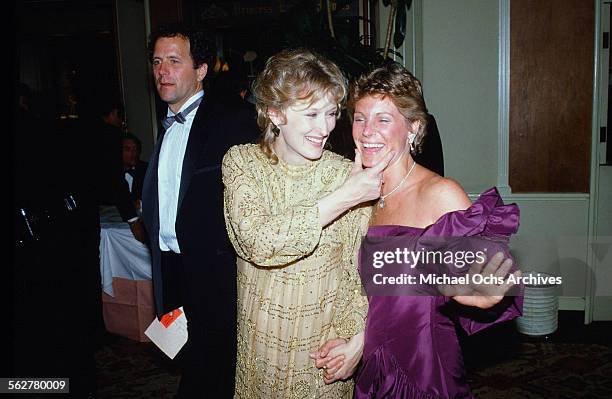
298 284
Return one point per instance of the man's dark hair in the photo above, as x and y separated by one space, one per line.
130 136
202 50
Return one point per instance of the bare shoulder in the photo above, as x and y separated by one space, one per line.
445 194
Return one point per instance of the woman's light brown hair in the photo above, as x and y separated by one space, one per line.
400 86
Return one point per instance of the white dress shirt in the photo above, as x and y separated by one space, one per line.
129 179
169 171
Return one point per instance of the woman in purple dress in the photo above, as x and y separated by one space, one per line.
411 348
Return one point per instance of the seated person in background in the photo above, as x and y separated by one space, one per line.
134 169
105 132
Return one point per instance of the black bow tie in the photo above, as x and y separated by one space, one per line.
180 117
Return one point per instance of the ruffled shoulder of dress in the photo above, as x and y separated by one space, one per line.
487 216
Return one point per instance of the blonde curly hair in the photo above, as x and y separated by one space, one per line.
291 76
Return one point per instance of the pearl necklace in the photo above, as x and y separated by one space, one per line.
381 202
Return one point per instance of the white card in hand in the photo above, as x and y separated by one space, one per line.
169 334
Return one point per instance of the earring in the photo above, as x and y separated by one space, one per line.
411 138
275 130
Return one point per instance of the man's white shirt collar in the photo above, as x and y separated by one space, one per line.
187 103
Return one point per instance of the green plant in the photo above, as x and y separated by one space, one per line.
311 24
398 14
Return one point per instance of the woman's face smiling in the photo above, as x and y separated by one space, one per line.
304 130
378 128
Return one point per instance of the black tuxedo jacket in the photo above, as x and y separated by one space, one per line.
109 175
431 156
138 174
208 257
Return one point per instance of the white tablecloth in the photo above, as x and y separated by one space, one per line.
121 255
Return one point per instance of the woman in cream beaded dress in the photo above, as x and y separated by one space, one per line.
292 214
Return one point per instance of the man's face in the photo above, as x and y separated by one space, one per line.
130 153
175 77
115 119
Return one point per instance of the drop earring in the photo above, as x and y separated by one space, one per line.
411 138
275 130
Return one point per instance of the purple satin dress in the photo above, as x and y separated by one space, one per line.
411 347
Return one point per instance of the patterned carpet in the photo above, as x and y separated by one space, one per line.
559 366
129 369
548 370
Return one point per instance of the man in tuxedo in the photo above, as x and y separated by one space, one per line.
134 169
193 262
109 173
